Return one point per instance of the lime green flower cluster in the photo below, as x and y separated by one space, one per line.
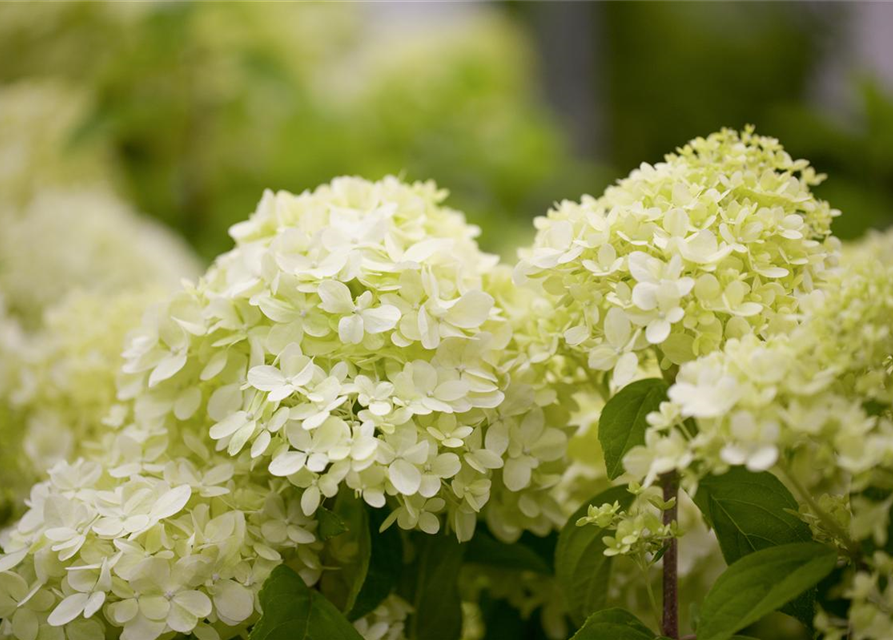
58 382
348 339
347 342
717 242
820 393
163 535
77 268
814 404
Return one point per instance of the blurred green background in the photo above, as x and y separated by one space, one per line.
511 106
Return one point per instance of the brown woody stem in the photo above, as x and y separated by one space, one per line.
670 626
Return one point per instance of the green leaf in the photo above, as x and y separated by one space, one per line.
486 550
330 524
613 624
760 583
293 611
502 621
622 424
581 566
751 511
385 565
433 591
350 552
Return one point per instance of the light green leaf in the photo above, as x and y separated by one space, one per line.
581 566
622 424
614 624
434 592
760 583
292 611
751 511
385 565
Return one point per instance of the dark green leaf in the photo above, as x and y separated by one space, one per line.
622 424
752 511
330 524
385 565
543 546
760 583
348 552
502 621
487 550
749 511
292 611
581 566
613 624
433 591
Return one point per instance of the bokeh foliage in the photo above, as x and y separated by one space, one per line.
207 104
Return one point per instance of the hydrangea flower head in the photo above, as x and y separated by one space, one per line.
716 242
817 397
349 340
89 241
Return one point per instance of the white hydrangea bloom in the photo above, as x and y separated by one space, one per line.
160 535
719 241
77 269
820 394
156 532
387 621
66 240
352 338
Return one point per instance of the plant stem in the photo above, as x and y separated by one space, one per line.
670 626
654 608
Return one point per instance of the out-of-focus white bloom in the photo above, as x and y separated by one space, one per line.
870 591
67 240
353 338
720 240
386 622
77 270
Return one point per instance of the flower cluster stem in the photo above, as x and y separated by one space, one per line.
670 623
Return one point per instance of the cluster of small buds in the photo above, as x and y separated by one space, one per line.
717 242
638 531
815 397
349 339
